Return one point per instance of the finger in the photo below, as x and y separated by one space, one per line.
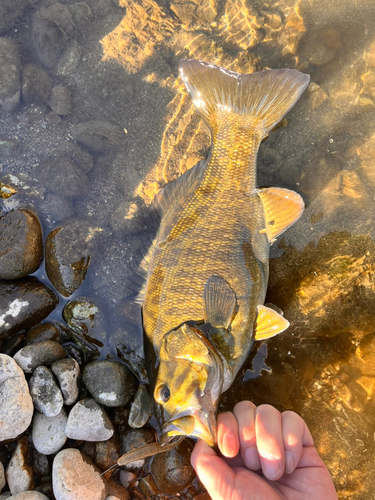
227 434
215 474
245 415
295 436
269 439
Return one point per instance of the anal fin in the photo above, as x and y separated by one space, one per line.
282 207
269 323
219 302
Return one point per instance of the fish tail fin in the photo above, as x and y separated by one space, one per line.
265 96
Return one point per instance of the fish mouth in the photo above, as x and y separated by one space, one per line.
200 425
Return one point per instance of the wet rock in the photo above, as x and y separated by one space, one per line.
60 100
318 95
141 409
48 433
133 361
320 47
67 372
42 332
10 10
135 438
148 486
2 476
12 344
85 318
127 478
74 472
38 354
36 84
21 244
40 464
70 59
109 382
56 208
23 304
68 250
116 491
61 176
81 13
107 453
51 32
47 397
16 409
30 495
76 154
19 473
10 75
172 470
98 136
88 421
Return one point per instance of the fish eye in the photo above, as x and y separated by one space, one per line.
163 394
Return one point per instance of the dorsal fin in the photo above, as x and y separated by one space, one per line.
174 191
219 302
282 208
269 323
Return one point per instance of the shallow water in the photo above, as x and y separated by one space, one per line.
321 270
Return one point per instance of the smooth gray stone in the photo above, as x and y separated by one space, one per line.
47 397
88 421
48 433
141 409
39 354
67 372
10 75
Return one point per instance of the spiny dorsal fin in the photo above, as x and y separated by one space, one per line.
269 323
265 96
219 302
174 191
282 208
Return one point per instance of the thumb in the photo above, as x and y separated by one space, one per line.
215 474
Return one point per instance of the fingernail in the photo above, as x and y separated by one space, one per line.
252 459
289 462
230 445
271 469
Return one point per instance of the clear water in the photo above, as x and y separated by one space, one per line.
321 270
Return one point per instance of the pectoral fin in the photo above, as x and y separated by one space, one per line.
282 208
219 302
269 323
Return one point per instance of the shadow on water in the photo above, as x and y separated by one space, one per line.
321 271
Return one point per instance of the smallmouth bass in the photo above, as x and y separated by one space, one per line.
207 273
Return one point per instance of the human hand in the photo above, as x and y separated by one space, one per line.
277 445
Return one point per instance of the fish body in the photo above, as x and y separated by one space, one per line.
208 267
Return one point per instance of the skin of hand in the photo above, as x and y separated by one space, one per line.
266 455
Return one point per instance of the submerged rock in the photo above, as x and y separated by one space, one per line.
60 101
36 84
38 354
85 318
70 59
73 477
47 397
16 409
10 75
98 136
10 10
61 176
88 421
172 470
21 245
19 473
42 332
109 382
23 304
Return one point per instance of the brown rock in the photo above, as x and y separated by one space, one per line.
44 331
60 100
36 84
19 472
98 136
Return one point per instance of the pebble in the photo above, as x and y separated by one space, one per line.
30 495
48 433
70 59
68 374
10 75
60 101
40 463
127 478
88 421
320 47
81 13
23 304
42 332
109 382
117 491
2 476
86 319
10 10
79 156
107 453
61 176
148 486
68 250
47 397
56 208
36 84
21 244
38 354
16 409
19 473
135 438
73 477
141 409
12 344
172 470
98 136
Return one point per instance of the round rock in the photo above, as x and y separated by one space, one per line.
61 176
47 397
109 382
21 245
16 408
49 432
60 101
30 495
98 136
88 421
75 477
36 84
42 332
10 75
172 470
38 354
23 304
133 439
19 473
67 372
